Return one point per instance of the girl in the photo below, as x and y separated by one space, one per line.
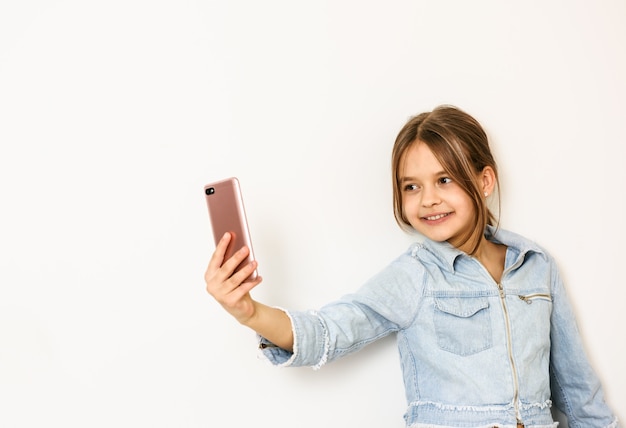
486 335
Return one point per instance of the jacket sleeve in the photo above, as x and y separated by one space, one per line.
576 389
383 305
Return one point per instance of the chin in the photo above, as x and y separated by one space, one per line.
436 237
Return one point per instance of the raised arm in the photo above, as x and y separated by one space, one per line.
232 291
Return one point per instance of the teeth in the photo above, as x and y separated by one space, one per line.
436 217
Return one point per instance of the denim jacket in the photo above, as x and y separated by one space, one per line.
474 353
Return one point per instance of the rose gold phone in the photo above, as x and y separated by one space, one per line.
227 214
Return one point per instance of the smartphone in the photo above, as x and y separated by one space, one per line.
227 214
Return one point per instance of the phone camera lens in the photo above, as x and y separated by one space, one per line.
210 190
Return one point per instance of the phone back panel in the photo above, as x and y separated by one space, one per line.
227 214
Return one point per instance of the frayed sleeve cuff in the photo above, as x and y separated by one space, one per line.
310 343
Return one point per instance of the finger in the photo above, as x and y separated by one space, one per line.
214 280
244 288
242 275
239 281
218 255
239 303
223 280
228 267
231 291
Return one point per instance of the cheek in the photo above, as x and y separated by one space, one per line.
465 204
410 206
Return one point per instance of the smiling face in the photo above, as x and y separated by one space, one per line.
442 171
432 202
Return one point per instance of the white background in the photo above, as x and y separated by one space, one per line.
113 115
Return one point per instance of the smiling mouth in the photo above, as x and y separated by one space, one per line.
436 217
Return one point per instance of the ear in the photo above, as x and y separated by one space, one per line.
487 180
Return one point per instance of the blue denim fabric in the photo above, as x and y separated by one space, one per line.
474 353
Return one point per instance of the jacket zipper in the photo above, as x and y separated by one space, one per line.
510 350
528 298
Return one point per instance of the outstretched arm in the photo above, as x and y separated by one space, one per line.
232 291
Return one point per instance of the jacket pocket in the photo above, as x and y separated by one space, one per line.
463 325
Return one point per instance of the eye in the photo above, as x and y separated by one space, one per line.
445 180
410 187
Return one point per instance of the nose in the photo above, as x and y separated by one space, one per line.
430 196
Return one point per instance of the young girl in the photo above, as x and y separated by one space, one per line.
486 335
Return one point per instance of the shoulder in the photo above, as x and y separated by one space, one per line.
407 265
519 242
404 274
395 291
528 254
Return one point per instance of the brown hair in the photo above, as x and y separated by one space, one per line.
460 144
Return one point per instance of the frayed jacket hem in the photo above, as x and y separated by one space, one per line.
418 425
429 414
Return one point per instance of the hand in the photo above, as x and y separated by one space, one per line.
231 290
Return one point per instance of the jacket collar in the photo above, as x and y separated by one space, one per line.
446 254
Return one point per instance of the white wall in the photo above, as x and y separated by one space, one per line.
113 115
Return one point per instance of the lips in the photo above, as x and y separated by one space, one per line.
436 217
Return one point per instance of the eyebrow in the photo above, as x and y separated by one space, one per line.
438 174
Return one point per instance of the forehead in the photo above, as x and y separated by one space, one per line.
419 160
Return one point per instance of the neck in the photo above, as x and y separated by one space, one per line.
492 257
